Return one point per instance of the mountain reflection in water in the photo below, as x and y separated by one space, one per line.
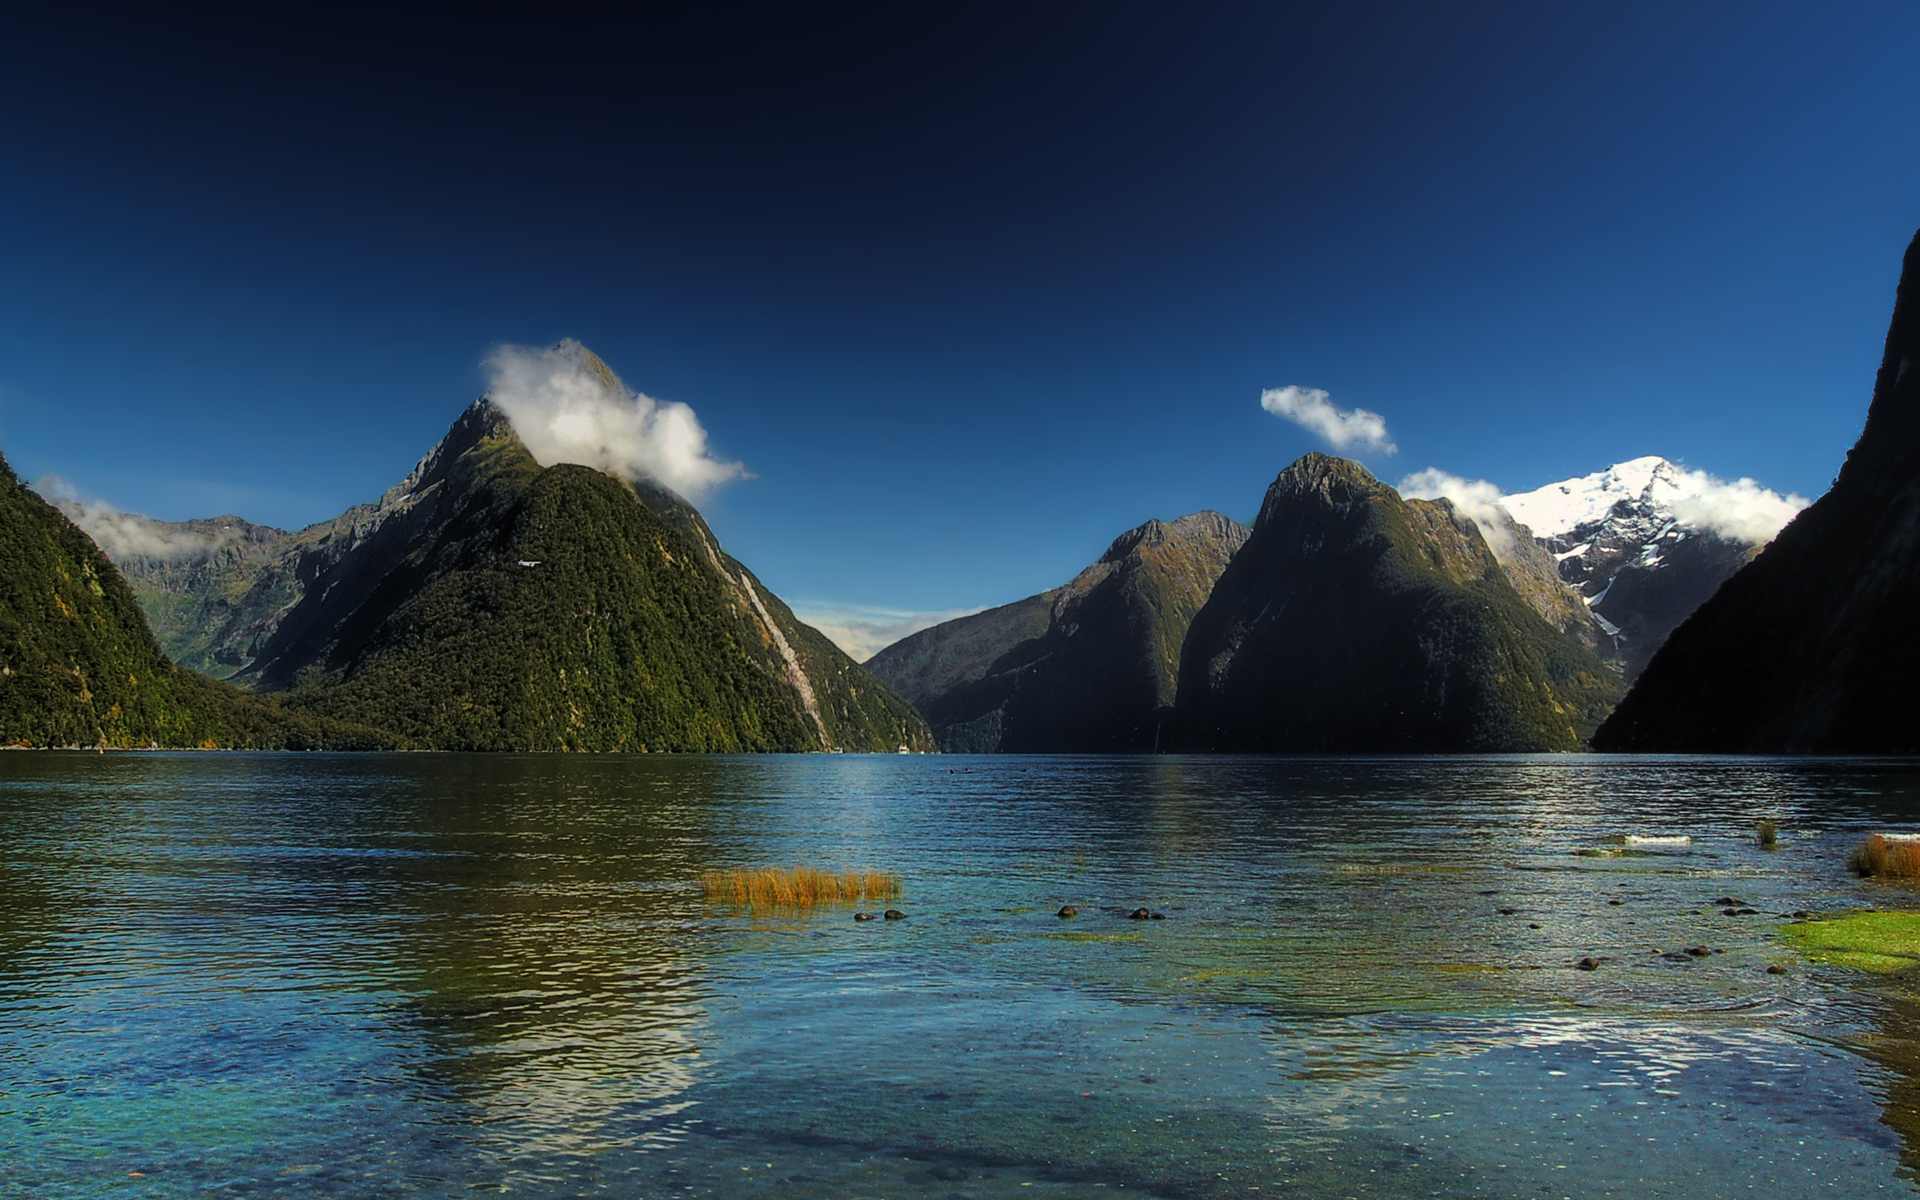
229 974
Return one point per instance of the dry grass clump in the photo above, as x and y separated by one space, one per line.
1767 833
797 887
1885 858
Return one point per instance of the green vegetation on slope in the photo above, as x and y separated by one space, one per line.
79 667
207 587
619 639
507 607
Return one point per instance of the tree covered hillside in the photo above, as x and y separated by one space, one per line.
498 605
79 667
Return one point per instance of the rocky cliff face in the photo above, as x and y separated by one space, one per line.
1625 541
1087 667
1353 621
1811 647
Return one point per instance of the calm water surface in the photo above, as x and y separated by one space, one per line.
230 975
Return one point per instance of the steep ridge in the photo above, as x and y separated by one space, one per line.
79 667
1811 647
489 603
1621 539
1354 621
1088 667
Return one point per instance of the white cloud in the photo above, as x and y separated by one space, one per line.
1311 409
567 407
863 631
124 535
1742 510
1475 499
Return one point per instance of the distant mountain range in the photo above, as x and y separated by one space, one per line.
1609 563
1086 667
1812 647
488 602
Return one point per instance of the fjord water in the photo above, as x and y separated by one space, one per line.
433 974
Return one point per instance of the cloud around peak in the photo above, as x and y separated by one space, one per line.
567 406
1741 510
1475 499
1313 410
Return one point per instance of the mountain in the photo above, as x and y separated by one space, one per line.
1812 647
1627 540
79 667
1353 621
488 603
1087 667
214 589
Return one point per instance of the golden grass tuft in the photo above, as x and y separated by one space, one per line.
797 887
1881 858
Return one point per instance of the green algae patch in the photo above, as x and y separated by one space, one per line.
1868 940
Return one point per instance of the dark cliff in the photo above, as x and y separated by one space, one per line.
1354 621
1812 647
1089 667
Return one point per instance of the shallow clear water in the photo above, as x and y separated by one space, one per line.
427 974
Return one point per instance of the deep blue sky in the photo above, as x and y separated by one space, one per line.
971 288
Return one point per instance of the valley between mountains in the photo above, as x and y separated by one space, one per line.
492 602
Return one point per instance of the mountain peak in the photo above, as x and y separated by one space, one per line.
575 354
1339 482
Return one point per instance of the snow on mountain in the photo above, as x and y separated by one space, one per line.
1653 488
1643 542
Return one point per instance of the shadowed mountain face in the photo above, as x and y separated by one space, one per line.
1812 647
79 667
487 603
1354 621
1085 668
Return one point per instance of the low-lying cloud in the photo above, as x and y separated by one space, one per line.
125 536
1742 510
1313 410
567 407
863 631
1475 499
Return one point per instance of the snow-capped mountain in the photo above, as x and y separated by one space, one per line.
1645 542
